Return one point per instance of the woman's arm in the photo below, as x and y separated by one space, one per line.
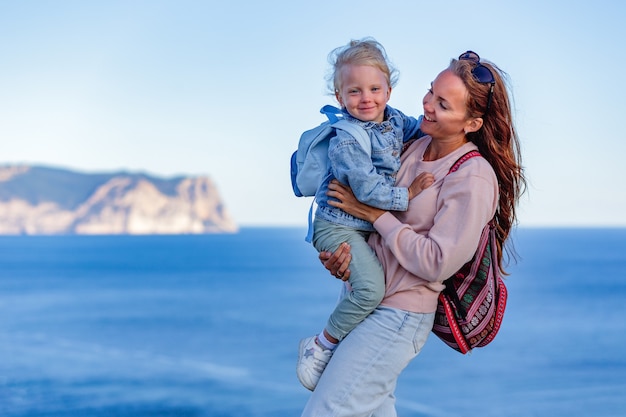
467 204
349 203
338 262
434 251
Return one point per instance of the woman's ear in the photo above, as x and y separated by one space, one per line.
473 125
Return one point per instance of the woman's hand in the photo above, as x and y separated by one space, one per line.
338 262
348 202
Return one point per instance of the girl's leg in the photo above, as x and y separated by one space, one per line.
367 278
361 376
315 352
367 290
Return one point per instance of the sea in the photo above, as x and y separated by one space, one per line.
208 326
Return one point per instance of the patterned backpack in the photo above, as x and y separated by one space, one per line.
471 307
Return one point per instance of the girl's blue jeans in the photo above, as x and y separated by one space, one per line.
361 377
367 280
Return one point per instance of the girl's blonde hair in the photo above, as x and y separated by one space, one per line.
366 51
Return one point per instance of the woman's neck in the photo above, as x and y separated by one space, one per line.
437 149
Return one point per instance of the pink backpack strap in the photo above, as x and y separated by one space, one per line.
462 159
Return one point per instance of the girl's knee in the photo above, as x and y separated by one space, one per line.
369 298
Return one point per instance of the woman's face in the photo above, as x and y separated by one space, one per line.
445 109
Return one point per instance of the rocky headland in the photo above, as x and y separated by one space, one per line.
39 200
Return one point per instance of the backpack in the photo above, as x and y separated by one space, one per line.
309 163
471 307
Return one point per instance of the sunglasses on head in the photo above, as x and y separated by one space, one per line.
481 73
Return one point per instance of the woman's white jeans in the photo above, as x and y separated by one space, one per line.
361 377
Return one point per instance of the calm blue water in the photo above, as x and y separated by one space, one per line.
209 325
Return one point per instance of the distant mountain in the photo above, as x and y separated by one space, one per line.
43 200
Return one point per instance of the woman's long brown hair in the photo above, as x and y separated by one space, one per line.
497 142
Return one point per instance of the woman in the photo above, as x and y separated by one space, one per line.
466 108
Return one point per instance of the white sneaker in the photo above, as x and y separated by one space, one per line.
312 361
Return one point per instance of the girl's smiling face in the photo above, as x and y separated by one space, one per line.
364 92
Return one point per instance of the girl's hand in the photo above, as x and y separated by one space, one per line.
337 263
423 180
348 202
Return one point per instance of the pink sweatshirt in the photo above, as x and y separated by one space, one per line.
428 243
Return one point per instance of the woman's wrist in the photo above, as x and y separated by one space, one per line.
375 215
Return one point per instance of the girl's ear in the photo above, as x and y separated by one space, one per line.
338 97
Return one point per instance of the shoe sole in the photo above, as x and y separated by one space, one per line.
301 355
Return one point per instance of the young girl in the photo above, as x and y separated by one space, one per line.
362 81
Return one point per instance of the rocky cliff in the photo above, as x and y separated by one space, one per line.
43 200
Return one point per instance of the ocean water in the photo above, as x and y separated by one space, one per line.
209 325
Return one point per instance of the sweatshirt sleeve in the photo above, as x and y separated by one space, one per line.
466 202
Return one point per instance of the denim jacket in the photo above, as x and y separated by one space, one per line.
372 179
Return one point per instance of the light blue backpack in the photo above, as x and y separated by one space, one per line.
310 164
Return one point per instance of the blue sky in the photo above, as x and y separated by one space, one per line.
224 89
